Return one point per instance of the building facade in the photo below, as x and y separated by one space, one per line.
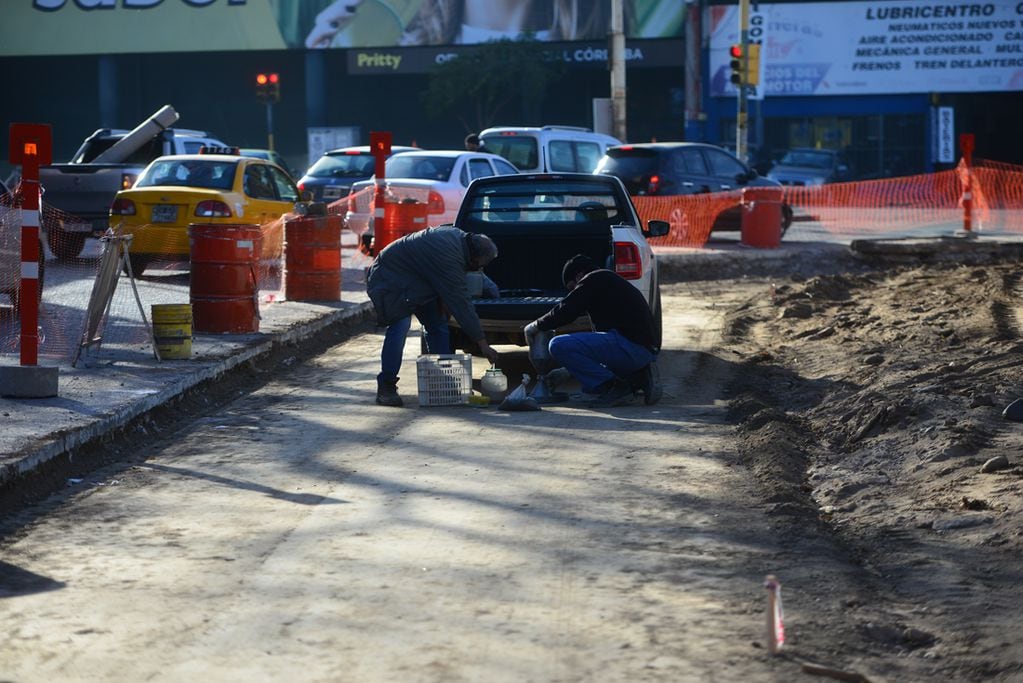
891 83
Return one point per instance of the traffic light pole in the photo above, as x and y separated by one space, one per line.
618 68
270 126
742 105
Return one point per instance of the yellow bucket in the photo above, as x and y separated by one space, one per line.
172 330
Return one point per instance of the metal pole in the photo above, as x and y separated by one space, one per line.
618 69
741 124
270 126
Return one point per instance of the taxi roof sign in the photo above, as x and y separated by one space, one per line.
210 149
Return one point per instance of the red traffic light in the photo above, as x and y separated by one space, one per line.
274 78
735 51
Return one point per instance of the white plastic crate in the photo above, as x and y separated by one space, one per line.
444 380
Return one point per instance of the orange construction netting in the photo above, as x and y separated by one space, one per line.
920 205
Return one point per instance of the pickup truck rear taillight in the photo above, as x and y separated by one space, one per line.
122 207
212 208
628 263
435 203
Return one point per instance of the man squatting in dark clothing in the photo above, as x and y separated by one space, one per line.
617 359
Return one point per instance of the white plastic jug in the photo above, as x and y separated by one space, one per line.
494 383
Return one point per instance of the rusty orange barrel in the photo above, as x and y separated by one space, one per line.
312 258
223 282
761 217
400 219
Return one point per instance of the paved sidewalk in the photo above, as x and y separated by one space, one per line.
96 400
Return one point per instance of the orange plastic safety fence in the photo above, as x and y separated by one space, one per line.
691 217
925 204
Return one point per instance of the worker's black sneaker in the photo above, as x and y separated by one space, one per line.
616 393
648 383
387 394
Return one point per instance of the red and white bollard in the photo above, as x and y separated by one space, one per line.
380 148
30 147
775 616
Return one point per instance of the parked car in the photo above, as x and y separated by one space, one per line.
674 168
333 174
437 178
271 156
10 248
810 166
174 191
548 149
538 222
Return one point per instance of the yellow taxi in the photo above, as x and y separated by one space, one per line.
176 191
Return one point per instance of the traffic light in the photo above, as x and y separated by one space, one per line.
274 88
737 65
753 64
268 88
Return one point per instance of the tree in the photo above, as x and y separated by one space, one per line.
485 80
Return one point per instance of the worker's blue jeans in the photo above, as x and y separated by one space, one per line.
595 358
438 339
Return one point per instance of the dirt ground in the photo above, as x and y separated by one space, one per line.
871 405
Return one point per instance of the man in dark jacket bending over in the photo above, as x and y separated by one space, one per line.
618 358
413 276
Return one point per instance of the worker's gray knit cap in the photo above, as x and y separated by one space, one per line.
482 249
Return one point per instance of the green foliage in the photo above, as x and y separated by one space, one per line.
486 81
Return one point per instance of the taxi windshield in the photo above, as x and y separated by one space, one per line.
206 173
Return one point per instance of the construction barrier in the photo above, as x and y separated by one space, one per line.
927 204
886 207
172 330
400 219
312 258
761 217
223 282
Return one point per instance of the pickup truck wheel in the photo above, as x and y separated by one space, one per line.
65 245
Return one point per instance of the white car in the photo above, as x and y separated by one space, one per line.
548 149
437 178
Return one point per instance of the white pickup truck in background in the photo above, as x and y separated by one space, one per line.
108 161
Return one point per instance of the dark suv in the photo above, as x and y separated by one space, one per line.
673 168
334 173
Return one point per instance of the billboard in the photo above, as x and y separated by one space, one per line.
69 27
861 48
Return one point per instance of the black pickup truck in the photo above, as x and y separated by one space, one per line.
539 222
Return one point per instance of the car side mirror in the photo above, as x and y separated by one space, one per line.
657 228
305 196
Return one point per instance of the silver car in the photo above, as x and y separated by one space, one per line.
810 166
